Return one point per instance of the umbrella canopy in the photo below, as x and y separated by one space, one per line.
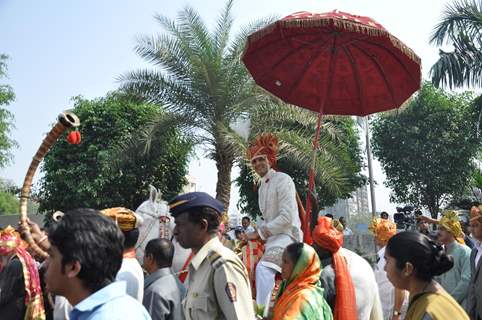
333 63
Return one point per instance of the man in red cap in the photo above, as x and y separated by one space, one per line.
277 203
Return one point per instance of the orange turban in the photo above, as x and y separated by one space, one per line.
328 237
264 145
126 219
383 229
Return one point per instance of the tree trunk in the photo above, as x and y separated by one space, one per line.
224 158
223 185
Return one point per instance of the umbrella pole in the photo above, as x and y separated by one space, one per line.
311 180
316 143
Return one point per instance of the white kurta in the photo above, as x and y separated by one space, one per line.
131 273
277 203
386 289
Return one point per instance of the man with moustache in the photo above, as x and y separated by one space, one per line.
277 203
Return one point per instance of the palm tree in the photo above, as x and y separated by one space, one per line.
460 27
200 79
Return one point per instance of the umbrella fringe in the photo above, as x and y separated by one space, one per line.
339 24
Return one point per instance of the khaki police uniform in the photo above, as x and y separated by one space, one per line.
218 285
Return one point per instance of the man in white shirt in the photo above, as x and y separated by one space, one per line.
346 231
393 300
277 203
130 271
246 224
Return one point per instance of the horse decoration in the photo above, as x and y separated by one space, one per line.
158 223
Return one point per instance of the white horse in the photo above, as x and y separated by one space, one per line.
158 223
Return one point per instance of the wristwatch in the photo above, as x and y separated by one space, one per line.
396 313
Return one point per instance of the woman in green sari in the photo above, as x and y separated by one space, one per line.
300 295
412 260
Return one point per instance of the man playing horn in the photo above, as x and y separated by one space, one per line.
277 203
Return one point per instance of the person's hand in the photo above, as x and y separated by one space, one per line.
34 228
251 236
423 219
266 232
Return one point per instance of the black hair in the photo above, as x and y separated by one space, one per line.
329 215
88 237
246 218
161 250
196 215
428 258
130 238
294 251
384 213
237 231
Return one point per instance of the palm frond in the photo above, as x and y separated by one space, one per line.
464 16
461 27
223 28
239 41
165 52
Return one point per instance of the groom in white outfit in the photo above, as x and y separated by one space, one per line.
277 203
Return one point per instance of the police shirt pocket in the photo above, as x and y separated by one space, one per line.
199 307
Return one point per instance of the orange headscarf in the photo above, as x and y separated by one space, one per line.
328 237
383 229
300 296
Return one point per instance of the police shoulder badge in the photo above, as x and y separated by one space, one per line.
231 291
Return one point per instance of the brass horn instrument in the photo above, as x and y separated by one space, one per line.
65 121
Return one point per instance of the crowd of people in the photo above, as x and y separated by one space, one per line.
92 271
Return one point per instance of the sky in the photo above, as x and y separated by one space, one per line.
61 49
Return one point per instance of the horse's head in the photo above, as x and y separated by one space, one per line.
154 206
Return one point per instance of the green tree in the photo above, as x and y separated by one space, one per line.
426 149
6 117
89 174
339 159
9 203
201 78
461 28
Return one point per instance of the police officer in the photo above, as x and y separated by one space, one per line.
218 285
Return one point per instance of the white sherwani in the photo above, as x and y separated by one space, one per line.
277 203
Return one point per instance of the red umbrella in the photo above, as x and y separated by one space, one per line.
332 63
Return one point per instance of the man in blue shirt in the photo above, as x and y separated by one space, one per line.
85 255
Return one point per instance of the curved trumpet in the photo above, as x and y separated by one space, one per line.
65 120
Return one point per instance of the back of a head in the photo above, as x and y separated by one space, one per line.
130 238
86 236
294 251
162 251
428 258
